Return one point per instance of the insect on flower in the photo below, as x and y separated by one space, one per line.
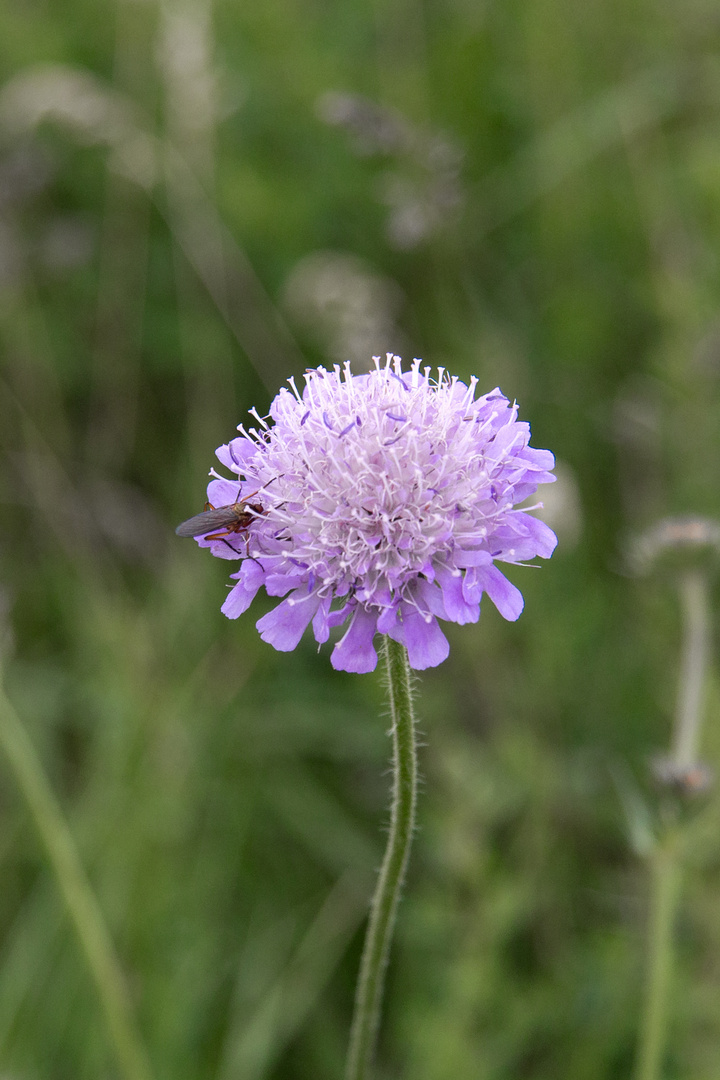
235 518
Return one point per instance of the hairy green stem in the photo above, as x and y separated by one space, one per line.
77 894
368 997
666 859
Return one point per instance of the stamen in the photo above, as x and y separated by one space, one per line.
254 412
291 380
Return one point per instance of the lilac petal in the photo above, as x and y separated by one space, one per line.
544 538
240 597
464 558
523 491
457 607
425 642
285 625
279 584
493 395
505 440
506 598
321 624
284 404
355 651
338 617
539 461
387 619
223 492
237 454
228 547
472 587
431 597
522 538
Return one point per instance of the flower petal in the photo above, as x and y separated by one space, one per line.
544 538
458 609
340 615
431 597
237 454
506 598
321 624
387 619
285 625
425 642
240 597
355 650
471 557
279 584
539 461
228 547
223 492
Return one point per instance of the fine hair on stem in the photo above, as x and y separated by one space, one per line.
368 999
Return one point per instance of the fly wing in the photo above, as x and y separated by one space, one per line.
206 522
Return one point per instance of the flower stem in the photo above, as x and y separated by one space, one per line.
696 650
77 893
663 903
368 997
666 859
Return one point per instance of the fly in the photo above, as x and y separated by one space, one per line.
234 519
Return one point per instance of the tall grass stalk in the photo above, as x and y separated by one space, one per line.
667 855
368 998
77 893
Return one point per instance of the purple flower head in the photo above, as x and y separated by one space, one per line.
383 501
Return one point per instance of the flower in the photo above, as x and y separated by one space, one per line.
384 500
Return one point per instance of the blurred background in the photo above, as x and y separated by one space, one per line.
199 199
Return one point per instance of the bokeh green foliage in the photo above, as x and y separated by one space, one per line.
560 165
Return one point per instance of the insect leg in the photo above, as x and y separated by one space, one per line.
223 536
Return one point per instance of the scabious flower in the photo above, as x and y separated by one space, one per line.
387 500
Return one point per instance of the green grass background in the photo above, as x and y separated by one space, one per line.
166 172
